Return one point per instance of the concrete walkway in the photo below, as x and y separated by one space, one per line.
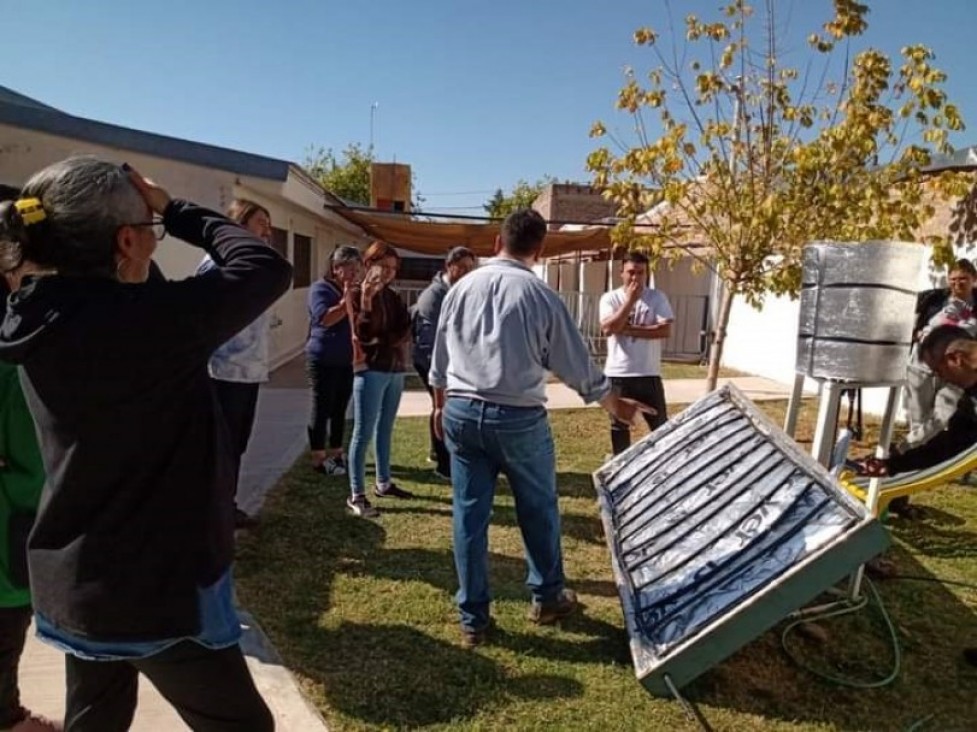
279 439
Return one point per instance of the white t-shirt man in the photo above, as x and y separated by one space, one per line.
627 355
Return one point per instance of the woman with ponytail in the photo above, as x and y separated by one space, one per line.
130 555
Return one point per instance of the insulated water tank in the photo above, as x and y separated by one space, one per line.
857 309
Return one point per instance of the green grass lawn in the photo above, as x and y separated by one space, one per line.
670 370
362 613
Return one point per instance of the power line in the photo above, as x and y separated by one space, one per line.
460 208
458 193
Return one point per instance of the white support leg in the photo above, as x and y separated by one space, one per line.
794 405
874 486
824 432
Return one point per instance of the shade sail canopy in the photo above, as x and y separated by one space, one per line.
436 238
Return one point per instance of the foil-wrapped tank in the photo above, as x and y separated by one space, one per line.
856 310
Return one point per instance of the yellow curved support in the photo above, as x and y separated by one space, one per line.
909 483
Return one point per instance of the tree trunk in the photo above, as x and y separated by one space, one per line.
719 336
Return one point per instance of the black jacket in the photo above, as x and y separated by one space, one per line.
960 434
424 321
137 512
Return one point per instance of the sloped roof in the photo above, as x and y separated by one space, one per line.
963 159
428 237
18 110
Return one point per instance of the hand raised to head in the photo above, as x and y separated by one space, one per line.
155 197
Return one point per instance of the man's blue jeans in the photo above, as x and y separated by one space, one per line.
486 439
376 397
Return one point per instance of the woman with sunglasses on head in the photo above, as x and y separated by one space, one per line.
239 366
381 335
130 556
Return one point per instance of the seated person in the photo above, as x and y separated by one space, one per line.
951 352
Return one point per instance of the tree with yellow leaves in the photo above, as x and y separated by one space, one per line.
756 159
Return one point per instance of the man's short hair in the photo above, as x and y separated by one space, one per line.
523 232
456 254
936 343
636 257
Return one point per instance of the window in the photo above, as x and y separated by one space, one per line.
302 275
419 268
279 241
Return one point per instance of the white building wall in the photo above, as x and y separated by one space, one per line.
24 152
294 205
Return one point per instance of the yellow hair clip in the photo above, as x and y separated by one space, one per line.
31 210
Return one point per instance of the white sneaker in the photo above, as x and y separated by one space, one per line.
361 506
332 466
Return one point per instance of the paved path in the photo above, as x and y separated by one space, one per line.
279 439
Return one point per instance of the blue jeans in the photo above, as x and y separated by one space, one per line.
486 439
376 397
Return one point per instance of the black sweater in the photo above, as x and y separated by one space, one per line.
960 434
137 512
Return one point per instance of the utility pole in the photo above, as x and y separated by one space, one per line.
373 111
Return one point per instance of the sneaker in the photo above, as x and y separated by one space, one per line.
902 508
334 466
360 506
472 638
391 490
35 723
243 520
547 613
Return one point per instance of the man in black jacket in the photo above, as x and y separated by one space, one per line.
951 353
459 262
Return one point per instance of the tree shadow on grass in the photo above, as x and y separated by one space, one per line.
397 676
937 534
579 638
931 623
436 568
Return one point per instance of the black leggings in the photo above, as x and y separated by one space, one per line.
438 448
239 403
332 387
212 691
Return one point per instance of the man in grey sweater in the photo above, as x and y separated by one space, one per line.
501 330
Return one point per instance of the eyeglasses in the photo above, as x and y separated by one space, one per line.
159 230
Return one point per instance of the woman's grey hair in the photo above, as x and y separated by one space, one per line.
85 201
345 255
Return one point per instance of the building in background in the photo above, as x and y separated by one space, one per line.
34 135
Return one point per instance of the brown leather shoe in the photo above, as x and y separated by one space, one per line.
472 638
547 613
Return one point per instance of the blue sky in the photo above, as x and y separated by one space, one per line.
473 95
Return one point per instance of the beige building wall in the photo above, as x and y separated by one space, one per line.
572 202
24 152
295 205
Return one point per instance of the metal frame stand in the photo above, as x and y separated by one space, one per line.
825 434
